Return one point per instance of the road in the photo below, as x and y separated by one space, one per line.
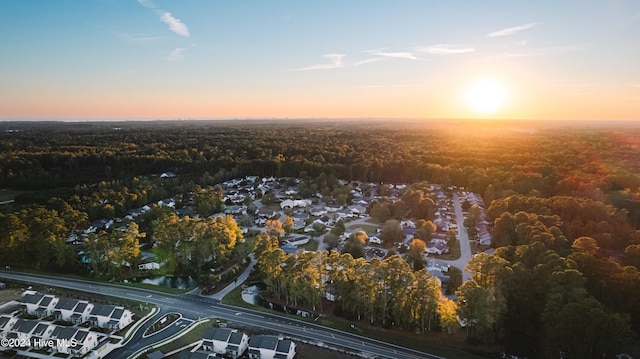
463 239
194 307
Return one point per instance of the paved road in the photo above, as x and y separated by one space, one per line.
194 307
463 239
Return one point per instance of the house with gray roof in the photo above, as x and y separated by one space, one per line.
39 305
110 317
225 341
271 347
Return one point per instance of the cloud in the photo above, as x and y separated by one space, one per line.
176 55
148 4
513 30
175 25
368 61
445 49
137 37
395 55
336 62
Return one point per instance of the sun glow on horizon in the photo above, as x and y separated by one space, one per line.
486 96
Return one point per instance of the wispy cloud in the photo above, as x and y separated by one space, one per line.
368 61
445 49
336 62
395 55
513 30
175 24
176 55
137 37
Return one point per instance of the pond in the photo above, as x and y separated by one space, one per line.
179 282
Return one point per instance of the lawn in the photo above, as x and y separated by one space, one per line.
192 336
312 246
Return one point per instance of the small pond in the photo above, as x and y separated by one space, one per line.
179 282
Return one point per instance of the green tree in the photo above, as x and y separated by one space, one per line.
355 243
415 255
391 232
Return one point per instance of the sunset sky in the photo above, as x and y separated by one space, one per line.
128 59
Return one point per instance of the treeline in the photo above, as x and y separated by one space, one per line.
555 284
596 164
383 292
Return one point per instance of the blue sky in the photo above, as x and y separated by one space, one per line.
209 59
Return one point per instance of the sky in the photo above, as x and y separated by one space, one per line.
147 59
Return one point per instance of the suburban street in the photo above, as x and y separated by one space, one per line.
194 307
463 239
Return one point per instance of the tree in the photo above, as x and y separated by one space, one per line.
354 245
274 227
447 314
415 255
424 229
339 228
331 240
318 229
268 199
288 225
380 212
208 200
391 232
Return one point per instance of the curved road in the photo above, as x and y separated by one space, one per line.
194 307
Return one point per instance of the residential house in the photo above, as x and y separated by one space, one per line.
167 202
149 266
225 341
271 347
6 323
237 210
75 341
40 305
318 211
110 317
437 247
375 239
42 332
22 329
73 310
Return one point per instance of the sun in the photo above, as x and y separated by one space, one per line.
486 96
